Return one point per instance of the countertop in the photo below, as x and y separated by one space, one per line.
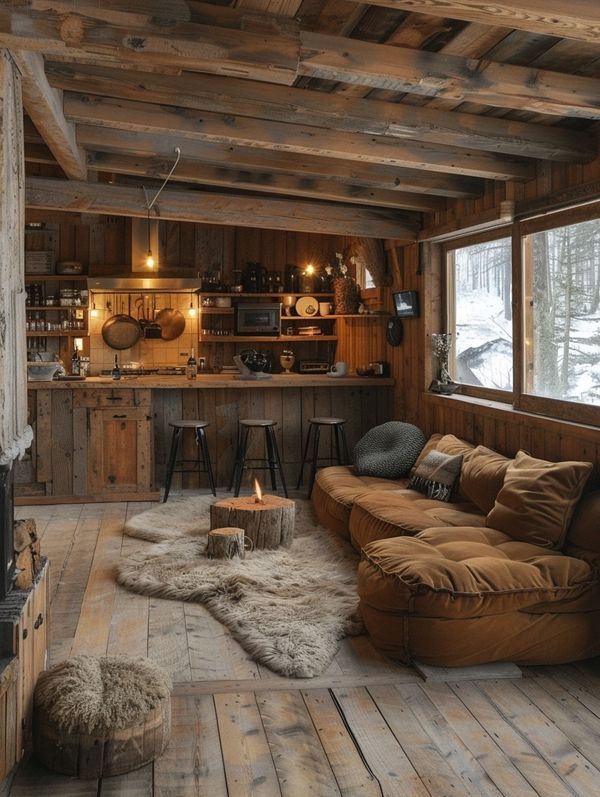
215 381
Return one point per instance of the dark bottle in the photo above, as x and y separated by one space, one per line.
191 368
75 363
292 278
116 371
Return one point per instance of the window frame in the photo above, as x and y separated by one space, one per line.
519 398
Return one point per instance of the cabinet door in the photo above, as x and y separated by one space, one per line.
119 450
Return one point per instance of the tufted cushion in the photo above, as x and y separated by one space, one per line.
538 498
436 475
388 451
377 516
469 572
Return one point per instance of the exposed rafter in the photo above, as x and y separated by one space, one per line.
213 208
329 111
44 105
579 19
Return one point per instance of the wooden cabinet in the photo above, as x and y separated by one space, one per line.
119 440
23 630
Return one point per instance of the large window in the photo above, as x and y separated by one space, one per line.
480 313
561 284
547 358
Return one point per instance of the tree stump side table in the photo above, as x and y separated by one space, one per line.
269 523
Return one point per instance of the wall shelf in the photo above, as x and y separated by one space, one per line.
64 333
263 338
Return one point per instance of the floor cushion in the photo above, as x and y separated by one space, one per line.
377 516
467 595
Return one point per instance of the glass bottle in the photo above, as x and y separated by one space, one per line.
116 371
191 368
75 362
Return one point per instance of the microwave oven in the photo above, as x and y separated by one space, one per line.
258 319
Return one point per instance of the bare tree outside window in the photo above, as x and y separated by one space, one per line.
562 312
480 314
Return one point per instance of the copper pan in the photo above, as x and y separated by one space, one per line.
121 331
171 322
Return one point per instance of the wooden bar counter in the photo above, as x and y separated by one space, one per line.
106 440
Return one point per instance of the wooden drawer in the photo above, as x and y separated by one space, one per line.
103 398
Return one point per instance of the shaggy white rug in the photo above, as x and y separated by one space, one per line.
288 608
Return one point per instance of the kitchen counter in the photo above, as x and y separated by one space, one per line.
217 381
104 440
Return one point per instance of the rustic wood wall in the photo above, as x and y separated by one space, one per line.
494 425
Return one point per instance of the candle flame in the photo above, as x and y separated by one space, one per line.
258 496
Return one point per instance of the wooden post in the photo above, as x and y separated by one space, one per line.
225 543
13 350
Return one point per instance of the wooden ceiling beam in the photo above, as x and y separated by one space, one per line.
281 136
579 19
214 208
449 76
191 171
44 106
331 111
281 57
304 166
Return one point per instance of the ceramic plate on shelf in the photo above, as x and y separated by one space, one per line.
307 306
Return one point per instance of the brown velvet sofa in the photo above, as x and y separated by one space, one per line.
508 571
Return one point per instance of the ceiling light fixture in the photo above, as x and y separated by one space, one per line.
150 262
192 310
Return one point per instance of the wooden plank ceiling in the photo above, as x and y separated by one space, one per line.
319 115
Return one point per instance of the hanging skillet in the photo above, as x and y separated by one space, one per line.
152 329
171 322
121 331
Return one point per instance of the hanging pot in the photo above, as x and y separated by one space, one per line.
121 331
171 322
153 331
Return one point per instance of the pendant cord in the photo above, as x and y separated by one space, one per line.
150 205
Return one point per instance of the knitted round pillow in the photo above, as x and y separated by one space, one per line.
388 451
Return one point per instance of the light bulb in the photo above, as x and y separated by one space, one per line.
310 269
149 259
192 311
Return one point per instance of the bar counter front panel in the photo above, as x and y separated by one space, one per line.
101 439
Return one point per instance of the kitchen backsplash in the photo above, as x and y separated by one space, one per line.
152 353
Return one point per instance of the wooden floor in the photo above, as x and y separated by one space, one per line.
367 727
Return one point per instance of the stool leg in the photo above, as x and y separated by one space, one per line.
344 445
239 465
271 457
202 443
171 463
313 467
336 433
237 456
271 434
306 445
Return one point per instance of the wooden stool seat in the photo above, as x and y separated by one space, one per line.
341 447
199 465
272 462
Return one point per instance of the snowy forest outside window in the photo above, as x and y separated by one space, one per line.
479 282
561 286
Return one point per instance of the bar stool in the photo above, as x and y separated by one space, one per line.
201 443
272 462
341 446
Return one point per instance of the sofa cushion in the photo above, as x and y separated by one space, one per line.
377 516
436 475
538 498
584 531
450 444
470 572
388 451
482 477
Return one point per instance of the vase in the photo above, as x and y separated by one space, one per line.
345 296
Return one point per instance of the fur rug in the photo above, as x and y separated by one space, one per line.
288 608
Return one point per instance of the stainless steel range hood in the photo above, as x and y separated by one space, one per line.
143 284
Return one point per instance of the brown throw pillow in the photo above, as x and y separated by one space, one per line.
450 444
537 499
436 475
482 477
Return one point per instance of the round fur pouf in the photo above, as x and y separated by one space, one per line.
101 716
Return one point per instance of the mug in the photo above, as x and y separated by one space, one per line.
324 308
339 369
